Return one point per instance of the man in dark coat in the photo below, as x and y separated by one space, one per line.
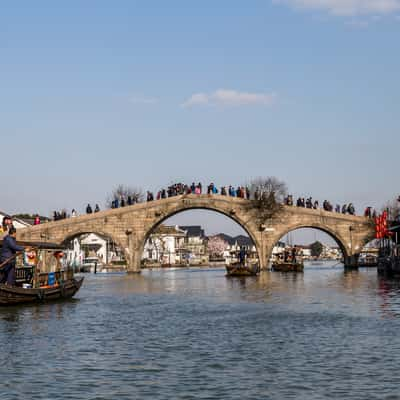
8 250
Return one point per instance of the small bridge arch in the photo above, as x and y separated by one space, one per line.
345 248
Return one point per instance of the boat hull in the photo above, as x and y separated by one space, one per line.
11 295
389 266
241 270
288 267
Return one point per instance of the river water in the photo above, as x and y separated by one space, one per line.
195 334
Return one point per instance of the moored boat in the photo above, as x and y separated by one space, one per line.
387 232
41 276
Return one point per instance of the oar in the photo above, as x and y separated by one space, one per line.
4 263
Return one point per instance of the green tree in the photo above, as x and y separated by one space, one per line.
316 249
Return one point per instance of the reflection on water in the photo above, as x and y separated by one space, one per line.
194 333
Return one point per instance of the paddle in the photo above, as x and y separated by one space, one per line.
4 263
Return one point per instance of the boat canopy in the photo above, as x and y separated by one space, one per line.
39 245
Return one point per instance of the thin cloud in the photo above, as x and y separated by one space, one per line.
347 7
225 97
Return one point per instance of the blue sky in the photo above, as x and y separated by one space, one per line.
97 93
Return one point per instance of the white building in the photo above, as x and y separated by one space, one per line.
93 246
165 246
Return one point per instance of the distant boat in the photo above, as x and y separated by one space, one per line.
238 269
288 266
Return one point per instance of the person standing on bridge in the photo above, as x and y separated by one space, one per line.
97 208
89 209
37 220
6 224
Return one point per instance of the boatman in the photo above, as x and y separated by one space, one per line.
242 255
8 251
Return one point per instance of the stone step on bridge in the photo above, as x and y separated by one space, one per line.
129 227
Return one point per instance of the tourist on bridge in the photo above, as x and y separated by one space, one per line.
73 213
350 209
150 196
89 209
8 251
337 208
97 208
344 208
37 220
6 224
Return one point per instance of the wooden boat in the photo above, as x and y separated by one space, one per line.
368 261
10 295
238 269
41 276
388 259
288 266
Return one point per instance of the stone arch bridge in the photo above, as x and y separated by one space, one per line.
129 227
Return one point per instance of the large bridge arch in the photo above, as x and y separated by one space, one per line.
245 225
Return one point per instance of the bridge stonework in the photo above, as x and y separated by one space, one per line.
129 227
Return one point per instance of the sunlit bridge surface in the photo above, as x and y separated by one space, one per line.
193 333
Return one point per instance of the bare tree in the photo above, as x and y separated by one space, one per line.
267 196
393 208
124 191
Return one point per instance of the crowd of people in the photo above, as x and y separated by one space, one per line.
178 189
89 209
122 202
59 215
326 205
242 192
